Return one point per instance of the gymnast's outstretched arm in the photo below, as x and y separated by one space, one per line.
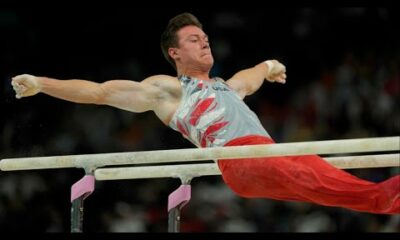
249 80
124 94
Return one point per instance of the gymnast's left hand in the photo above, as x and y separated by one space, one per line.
276 71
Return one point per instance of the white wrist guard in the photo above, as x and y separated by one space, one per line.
270 64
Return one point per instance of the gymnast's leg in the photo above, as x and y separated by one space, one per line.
307 178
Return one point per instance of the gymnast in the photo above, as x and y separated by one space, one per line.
210 112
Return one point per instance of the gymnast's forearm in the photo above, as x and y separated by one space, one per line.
74 90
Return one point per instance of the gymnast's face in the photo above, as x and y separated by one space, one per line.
194 49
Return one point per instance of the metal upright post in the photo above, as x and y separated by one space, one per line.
79 191
176 200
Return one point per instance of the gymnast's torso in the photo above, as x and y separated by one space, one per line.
210 114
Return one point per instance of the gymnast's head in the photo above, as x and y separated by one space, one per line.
185 45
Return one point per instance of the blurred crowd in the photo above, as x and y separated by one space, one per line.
343 82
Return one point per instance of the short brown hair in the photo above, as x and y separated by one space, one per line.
170 39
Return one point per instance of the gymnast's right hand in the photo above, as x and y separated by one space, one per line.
25 85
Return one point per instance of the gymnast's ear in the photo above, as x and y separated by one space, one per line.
173 53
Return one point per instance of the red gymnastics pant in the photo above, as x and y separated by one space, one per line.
307 178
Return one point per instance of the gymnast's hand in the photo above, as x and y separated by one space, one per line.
25 85
276 71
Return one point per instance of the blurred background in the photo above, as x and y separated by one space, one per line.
343 82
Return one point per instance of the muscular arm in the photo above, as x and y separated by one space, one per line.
248 81
124 94
132 96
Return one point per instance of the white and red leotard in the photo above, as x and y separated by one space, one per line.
211 114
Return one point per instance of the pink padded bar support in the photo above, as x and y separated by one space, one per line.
84 187
179 196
